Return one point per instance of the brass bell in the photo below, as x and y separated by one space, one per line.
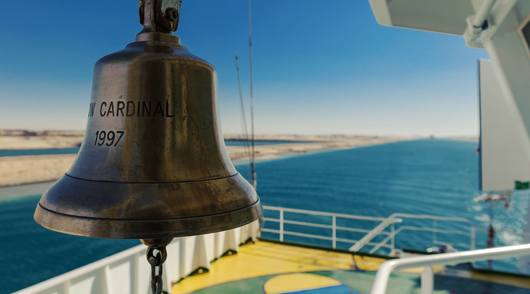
153 163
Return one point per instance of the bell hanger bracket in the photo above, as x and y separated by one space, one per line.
160 16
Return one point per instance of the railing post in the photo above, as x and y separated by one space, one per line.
65 287
393 239
281 224
427 282
435 226
107 280
334 232
135 274
472 237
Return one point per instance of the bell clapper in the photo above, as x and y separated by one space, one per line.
156 256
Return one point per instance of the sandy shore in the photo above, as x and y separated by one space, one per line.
308 144
23 139
31 169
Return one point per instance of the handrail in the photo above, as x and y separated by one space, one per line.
332 226
391 236
383 274
324 213
130 267
430 217
387 227
374 233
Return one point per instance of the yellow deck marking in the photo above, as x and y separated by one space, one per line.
266 258
296 282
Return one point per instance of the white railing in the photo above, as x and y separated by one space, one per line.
129 272
433 229
371 228
379 229
332 227
427 262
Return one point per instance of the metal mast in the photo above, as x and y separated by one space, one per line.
243 111
251 89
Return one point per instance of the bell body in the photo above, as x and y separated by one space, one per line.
153 162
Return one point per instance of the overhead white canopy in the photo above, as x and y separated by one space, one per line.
445 16
505 107
504 82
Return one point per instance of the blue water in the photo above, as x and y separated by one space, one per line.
437 177
43 151
231 142
431 176
30 254
74 150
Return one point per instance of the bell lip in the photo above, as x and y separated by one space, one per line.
62 198
139 229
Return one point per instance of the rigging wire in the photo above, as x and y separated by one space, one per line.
251 90
243 111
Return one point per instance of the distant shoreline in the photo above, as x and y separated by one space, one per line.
18 191
23 170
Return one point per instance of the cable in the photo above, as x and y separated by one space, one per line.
243 112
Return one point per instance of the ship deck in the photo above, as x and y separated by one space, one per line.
268 267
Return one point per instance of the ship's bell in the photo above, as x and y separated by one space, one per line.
153 162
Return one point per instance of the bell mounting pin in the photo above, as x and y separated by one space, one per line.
159 15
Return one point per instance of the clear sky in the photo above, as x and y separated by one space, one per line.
321 66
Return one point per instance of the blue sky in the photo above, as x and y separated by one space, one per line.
320 66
